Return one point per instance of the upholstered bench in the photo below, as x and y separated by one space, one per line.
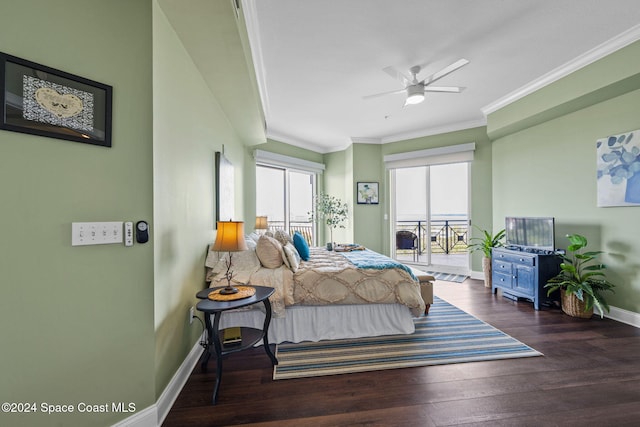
426 287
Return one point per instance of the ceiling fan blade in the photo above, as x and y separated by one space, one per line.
445 71
451 89
393 72
385 93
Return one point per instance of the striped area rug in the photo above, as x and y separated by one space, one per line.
448 277
446 335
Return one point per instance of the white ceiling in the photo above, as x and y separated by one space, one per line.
316 59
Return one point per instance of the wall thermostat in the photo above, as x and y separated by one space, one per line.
142 232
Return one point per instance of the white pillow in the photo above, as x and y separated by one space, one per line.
283 237
253 236
269 252
243 265
251 244
292 256
213 258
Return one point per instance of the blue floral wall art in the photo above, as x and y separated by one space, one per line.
619 170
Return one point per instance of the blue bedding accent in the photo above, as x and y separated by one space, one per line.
370 259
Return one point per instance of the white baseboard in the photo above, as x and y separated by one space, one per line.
478 275
155 414
624 316
148 417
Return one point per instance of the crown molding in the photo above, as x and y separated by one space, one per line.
589 57
453 127
281 137
253 33
357 140
288 139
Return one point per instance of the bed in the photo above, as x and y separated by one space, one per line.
320 294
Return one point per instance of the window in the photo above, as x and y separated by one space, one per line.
284 193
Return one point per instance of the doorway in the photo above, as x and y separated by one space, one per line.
430 216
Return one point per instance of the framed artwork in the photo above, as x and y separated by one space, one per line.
618 170
43 101
367 193
224 189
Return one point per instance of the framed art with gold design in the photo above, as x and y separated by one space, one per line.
43 101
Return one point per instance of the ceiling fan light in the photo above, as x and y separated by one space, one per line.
416 98
415 95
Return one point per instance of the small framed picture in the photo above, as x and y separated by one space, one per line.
43 101
367 193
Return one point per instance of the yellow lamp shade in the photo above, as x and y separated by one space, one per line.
230 237
261 223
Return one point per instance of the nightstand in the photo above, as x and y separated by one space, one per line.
250 336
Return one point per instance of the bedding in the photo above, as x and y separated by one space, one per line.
366 258
325 297
330 278
326 278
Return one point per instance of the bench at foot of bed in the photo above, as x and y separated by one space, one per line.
426 287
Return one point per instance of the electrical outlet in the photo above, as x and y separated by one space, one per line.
191 314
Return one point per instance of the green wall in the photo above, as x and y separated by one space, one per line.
289 150
108 323
549 169
336 181
78 321
368 225
189 126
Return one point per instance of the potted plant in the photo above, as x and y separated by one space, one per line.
581 280
485 244
331 211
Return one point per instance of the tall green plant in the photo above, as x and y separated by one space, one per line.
330 210
582 275
486 242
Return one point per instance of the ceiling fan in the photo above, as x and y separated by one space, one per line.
416 89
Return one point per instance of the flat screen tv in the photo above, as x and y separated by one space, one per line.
530 233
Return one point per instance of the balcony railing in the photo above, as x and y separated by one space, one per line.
304 228
444 236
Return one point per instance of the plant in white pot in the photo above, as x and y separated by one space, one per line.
581 280
331 211
485 244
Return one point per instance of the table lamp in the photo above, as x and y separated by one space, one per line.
262 223
230 238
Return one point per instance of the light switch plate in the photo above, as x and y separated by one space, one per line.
96 233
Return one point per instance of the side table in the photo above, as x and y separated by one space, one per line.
250 336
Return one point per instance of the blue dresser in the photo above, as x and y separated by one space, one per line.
522 274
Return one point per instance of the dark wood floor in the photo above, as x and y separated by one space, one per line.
589 375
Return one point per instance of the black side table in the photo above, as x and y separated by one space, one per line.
250 336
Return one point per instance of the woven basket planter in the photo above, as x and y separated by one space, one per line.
486 269
572 306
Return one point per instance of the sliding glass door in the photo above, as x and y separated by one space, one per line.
285 196
431 216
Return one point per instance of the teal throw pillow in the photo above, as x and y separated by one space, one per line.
301 246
